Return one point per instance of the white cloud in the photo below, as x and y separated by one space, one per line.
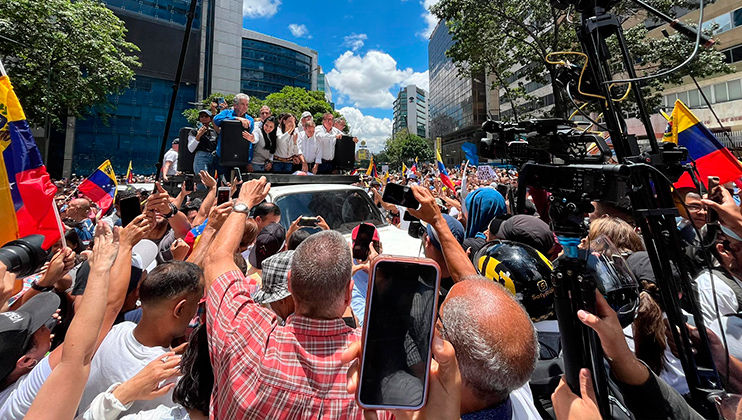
365 81
354 41
260 8
299 31
373 130
420 80
430 20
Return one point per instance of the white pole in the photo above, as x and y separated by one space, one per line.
2 69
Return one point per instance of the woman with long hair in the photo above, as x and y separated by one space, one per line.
287 145
264 146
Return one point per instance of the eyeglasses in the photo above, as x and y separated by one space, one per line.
696 207
265 113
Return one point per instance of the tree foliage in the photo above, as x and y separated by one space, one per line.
501 36
64 57
289 99
405 147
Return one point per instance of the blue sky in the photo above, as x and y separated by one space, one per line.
367 49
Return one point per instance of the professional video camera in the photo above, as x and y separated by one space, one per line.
23 256
572 164
542 141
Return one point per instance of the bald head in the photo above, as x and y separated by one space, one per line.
494 339
78 209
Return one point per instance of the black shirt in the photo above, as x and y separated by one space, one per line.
208 140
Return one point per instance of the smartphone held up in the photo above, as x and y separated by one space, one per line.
398 331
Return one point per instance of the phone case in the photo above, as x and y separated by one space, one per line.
414 260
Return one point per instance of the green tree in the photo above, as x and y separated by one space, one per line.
405 147
495 38
64 57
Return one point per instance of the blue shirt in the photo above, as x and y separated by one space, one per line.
358 301
228 114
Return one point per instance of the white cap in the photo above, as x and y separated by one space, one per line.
143 255
305 114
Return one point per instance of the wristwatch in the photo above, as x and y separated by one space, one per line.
40 288
240 208
173 211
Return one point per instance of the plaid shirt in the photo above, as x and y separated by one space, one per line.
266 371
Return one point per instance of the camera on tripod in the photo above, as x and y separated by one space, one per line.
550 140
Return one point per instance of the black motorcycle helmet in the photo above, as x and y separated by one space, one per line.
522 270
614 279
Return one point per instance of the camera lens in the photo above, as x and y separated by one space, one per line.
23 256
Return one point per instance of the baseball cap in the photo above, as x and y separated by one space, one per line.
17 328
305 114
176 141
270 240
204 111
354 232
275 278
529 230
454 225
411 176
144 254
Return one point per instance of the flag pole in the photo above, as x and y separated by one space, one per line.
2 69
59 224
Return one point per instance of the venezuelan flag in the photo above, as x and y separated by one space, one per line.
443 173
101 186
372 168
404 170
710 156
129 175
26 191
413 169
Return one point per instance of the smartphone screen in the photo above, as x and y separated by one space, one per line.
363 240
400 195
189 182
714 193
222 195
130 209
400 317
308 221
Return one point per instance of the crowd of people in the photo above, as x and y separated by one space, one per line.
202 310
281 144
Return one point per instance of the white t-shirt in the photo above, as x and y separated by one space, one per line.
120 357
728 309
403 224
523 407
172 156
16 399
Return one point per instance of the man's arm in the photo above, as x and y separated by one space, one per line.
458 262
218 118
217 216
220 257
165 169
160 201
60 264
210 199
120 275
64 387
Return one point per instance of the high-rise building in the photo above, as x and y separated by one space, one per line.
411 111
323 85
457 105
269 64
221 57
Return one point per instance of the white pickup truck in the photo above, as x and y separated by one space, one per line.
343 207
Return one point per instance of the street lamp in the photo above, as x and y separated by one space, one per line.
293 79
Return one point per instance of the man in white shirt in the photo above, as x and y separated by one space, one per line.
305 116
308 146
169 296
170 167
326 136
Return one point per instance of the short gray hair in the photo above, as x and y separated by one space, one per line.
492 367
240 96
339 119
320 273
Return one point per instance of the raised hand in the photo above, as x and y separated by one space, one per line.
218 215
254 192
206 179
105 248
135 231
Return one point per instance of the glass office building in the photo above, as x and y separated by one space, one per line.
457 106
269 64
134 130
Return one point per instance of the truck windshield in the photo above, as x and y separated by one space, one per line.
342 210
